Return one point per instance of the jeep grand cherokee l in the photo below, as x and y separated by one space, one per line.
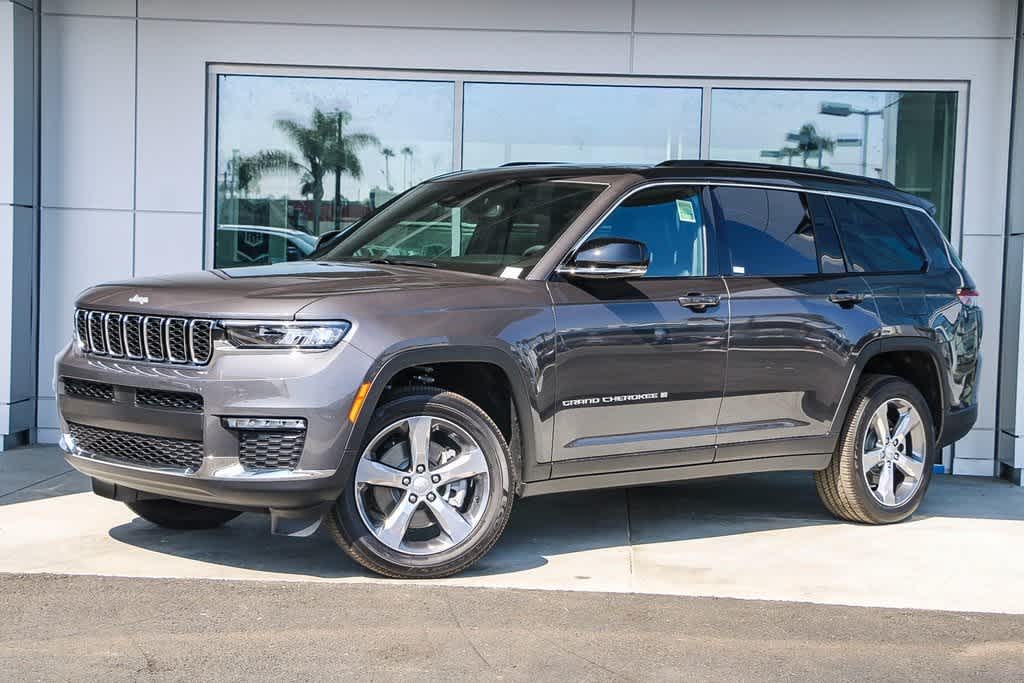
535 329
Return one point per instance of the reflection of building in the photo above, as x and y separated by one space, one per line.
134 138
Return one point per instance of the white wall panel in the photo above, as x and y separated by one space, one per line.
168 243
79 248
977 18
88 112
172 77
109 8
594 15
983 257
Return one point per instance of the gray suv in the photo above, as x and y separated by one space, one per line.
535 329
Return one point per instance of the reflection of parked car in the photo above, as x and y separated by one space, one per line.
490 335
256 245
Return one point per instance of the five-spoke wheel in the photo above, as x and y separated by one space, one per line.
894 455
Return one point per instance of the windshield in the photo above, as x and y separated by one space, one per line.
474 225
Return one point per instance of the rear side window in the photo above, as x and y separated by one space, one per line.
768 232
877 237
930 237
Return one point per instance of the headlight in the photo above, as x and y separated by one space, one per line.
285 335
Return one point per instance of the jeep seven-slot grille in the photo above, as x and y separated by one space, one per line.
140 449
260 450
153 338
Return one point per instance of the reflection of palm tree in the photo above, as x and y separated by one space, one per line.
324 148
809 142
388 153
406 166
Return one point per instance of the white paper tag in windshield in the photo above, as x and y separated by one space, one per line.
685 210
511 272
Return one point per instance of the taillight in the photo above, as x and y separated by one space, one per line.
968 296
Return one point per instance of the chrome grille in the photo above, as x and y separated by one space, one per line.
262 450
140 449
154 338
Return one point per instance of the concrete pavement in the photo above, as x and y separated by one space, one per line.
755 537
113 629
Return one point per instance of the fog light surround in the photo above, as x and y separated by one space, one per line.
265 423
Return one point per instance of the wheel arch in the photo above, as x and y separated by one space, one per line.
521 398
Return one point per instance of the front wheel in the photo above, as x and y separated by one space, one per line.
883 463
431 491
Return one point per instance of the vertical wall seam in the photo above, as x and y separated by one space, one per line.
135 140
632 35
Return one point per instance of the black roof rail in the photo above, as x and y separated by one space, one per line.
532 163
775 168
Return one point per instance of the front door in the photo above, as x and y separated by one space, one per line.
640 366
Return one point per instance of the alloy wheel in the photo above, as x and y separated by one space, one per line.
894 453
422 485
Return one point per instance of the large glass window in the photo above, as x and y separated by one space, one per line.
904 137
877 237
768 232
505 122
300 157
670 222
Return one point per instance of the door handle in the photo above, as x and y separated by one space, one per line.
846 299
698 302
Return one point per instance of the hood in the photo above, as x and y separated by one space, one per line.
276 292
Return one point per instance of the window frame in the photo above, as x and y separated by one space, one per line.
461 77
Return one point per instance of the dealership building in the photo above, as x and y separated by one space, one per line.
143 137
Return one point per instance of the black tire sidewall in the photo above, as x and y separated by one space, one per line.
881 392
462 413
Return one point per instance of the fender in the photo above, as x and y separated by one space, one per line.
523 400
887 345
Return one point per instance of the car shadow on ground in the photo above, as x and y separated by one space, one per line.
559 524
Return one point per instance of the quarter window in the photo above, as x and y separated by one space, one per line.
877 237
670 221
768 232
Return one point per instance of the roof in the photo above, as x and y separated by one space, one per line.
711 171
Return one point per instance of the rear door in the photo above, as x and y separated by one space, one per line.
796 316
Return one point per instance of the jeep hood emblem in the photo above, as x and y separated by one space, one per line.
139 299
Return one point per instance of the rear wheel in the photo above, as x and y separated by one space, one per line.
176 514
883 462
431 491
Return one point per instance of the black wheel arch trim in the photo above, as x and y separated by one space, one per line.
384 370
877 347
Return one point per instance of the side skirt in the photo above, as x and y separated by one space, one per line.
817 461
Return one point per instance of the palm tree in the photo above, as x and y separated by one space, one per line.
406 166
323 148
388 153
809 142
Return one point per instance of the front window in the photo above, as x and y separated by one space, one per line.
486 226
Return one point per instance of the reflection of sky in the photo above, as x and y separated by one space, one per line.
744 122
535 122
401 114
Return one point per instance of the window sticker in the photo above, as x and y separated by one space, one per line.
511 272
739 270
684 208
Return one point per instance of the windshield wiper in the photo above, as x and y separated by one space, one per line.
389 261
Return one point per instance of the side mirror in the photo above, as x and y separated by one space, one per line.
608 258
327 237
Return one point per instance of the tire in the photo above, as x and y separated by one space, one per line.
356 519
854 495
176 514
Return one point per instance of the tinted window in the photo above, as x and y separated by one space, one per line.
830 254
670 222
768 232
930 237
876 236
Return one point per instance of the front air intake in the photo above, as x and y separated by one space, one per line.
158 339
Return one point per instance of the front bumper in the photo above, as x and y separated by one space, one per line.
317 387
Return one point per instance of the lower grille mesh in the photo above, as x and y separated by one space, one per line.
80 388
138 449
174 400
259 449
